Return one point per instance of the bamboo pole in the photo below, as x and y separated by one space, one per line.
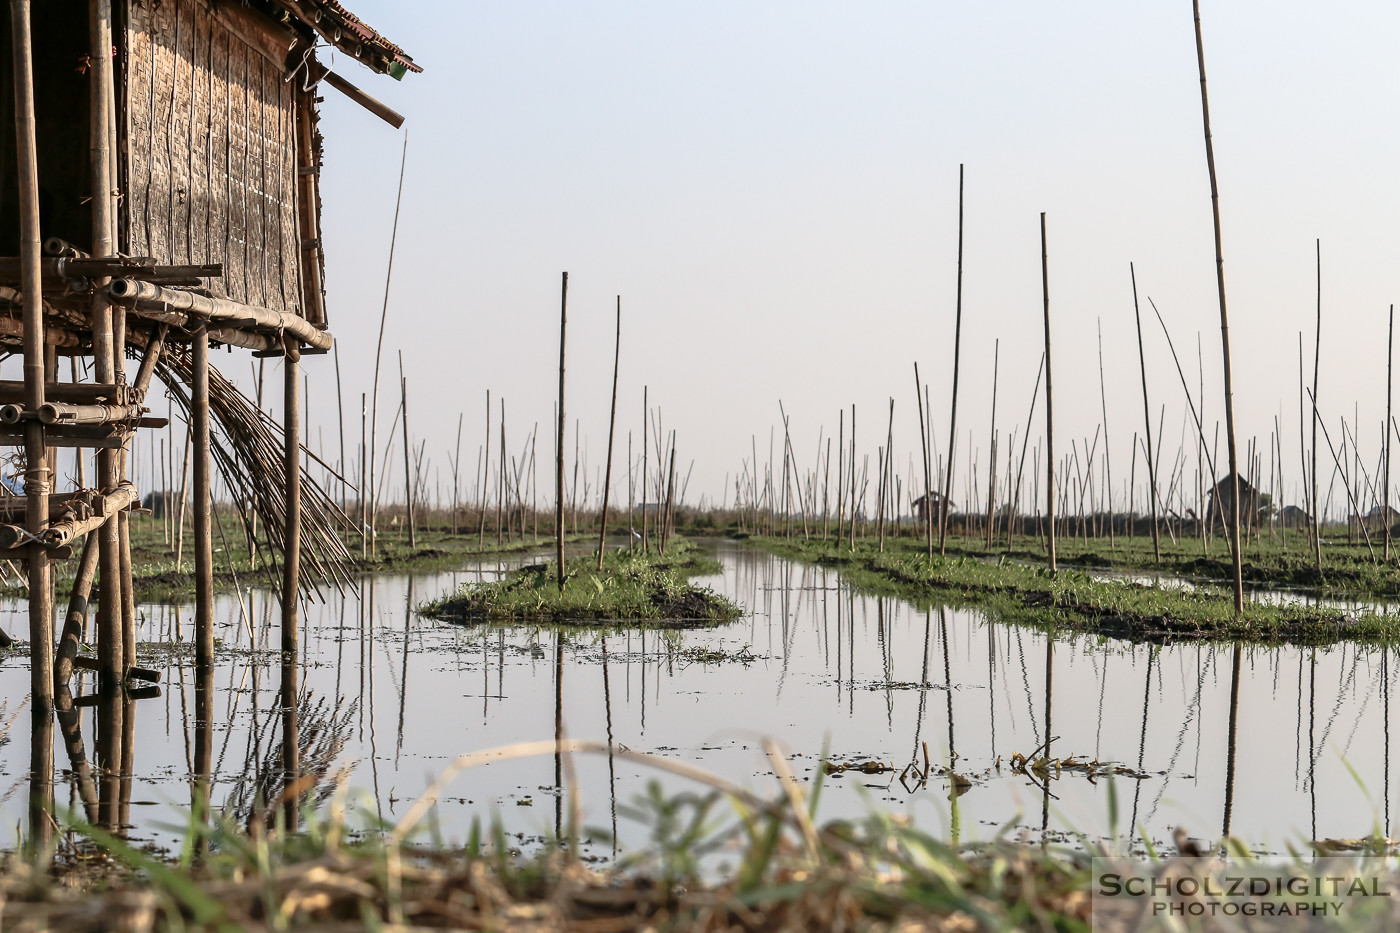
1147 420
612 429
407 473
1389 366
1235 554
646 414
992 461
291 452
953 409
1049 404
378 354
109 637
923 444
203 503
559 440
37 477
486 483
1317 358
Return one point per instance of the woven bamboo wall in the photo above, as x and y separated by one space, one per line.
210 151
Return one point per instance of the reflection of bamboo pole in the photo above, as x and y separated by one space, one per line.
1230 741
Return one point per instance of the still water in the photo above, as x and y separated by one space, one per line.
386 699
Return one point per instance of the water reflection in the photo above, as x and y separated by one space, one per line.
383 698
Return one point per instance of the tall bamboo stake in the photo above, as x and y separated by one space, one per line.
37 477
992 460
953 410
1236 556
291 464
486 485
559 440
1389 366
379 352
1107 459
612 428
1317 359
1147 420
646 411
340 423
456 465
407 472
203 503
923 443
1049 404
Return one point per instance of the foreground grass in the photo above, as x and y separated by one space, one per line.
1028 594
781 872
631 587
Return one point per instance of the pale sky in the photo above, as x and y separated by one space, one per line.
772 190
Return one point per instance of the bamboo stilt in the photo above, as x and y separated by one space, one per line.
1235 554
407 471
291 558
1049 406
953 409
559 440
37 478
612 427
203 504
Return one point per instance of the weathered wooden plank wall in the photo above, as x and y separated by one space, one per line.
212 153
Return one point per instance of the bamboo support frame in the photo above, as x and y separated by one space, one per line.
147 296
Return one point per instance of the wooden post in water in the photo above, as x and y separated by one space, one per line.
1389 366
407 469
923 443
559 440
1317 358
291 460
953 411
37 479
645 415
1236 556
1049 405
1147 420
486 483
109 628
612 430
203 527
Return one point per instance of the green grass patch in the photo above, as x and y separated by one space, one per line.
1019 592
631 587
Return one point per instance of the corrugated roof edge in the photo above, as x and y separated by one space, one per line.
351 35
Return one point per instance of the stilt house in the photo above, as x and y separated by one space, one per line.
159 164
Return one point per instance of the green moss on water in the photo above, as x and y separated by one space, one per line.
1022 593
631 587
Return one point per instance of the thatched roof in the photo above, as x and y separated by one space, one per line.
350 34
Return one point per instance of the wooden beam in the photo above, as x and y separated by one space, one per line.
148 295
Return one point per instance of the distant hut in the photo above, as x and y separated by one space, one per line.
1294 516
922 508
1380 516
1221 496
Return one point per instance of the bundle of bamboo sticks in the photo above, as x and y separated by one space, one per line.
247 446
